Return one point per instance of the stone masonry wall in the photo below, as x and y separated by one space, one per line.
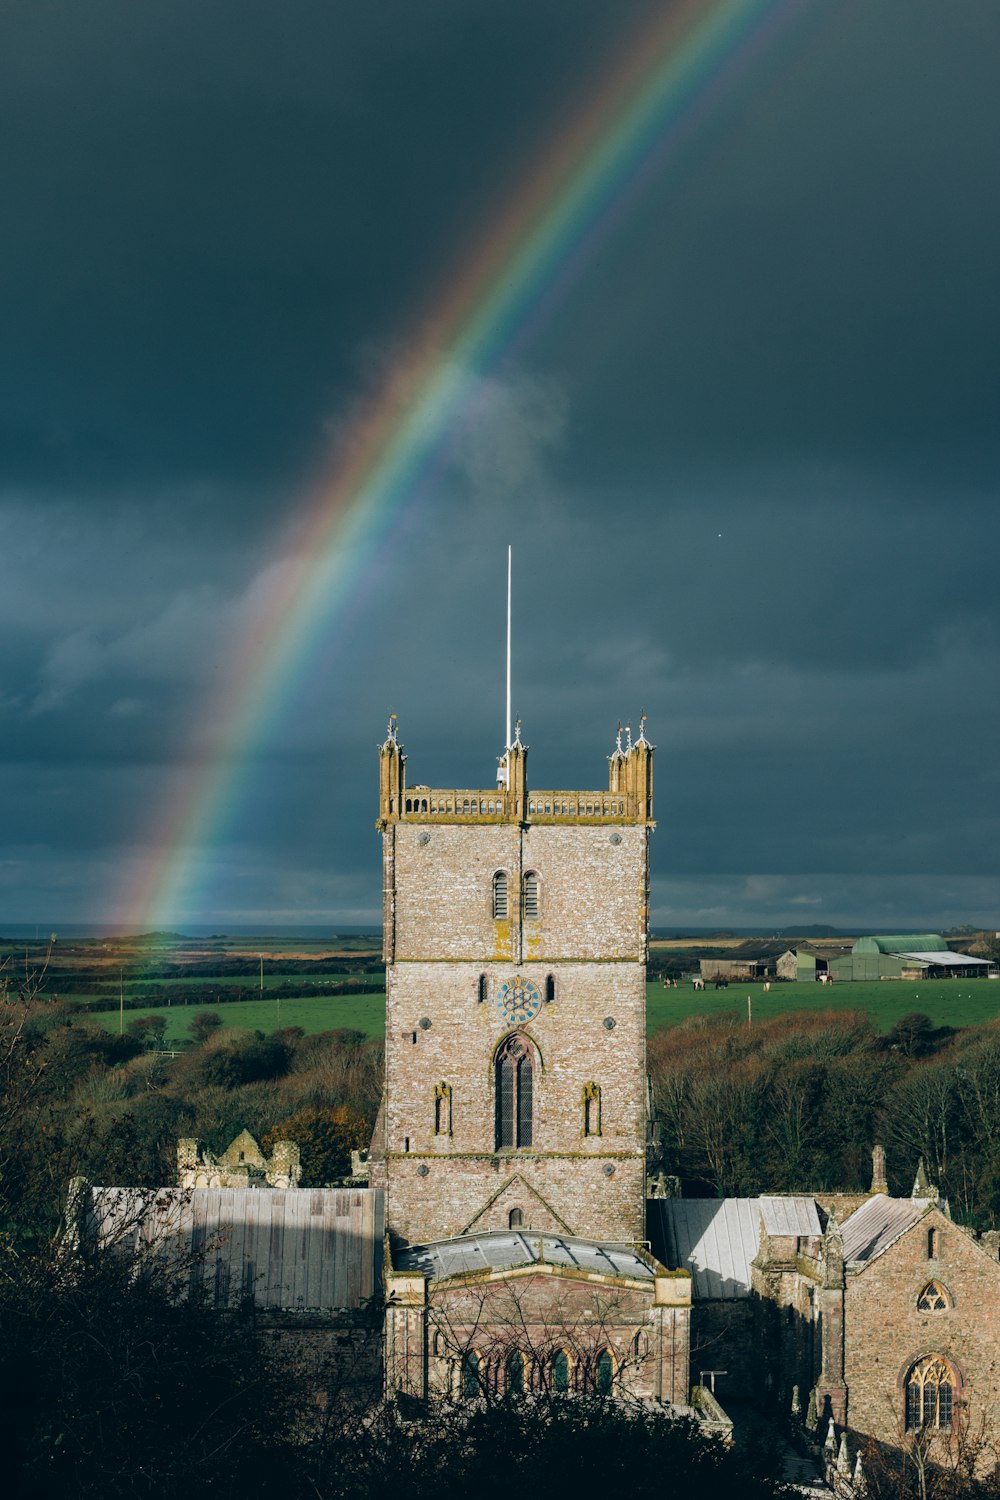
590 939
885 1333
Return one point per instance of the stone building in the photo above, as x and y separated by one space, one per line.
242 1164
885 1323
512 1143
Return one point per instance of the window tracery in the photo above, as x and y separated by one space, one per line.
930 1392
932 1299
514 1083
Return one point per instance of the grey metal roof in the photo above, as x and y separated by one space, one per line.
874 1226
717 1238
790 1216
507 1249
948 960
307 1249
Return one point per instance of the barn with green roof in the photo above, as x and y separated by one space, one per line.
911 955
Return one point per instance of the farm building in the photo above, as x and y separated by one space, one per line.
724 969
800 964
921 955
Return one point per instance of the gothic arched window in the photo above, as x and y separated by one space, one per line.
604 1372
514 1094
591 1109
529 903
930 1392
550 987
932 1299
515 1373
500 896
560 1372
515 1219
472 1385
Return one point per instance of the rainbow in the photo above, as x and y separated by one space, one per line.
665 81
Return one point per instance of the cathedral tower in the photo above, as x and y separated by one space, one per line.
515 934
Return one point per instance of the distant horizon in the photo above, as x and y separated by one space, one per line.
41 931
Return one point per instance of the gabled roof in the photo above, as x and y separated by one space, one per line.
717 1238
877 1224
512 1249
948 960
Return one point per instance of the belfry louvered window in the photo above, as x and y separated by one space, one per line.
514 1095
529 904
500 896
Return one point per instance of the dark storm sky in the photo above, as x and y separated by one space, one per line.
748 462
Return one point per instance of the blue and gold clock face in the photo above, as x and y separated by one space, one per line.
518 1000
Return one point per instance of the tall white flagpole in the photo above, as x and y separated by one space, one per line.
507 741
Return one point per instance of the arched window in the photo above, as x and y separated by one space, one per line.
930 1391
442 1109
604 1372
932 1299
529 902
550 987
591 1109
559 1371
514 1094
933 1244
515 1219
515 1373
482 988
500 896
472 1385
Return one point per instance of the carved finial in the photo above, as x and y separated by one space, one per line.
618 739
843 1456
860 1482
517 732
830 1445
628 739
642 740
392 732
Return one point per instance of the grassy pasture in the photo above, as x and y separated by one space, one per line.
948 1002
324 1013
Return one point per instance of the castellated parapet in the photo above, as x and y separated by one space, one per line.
515 940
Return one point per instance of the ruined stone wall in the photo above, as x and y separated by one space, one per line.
885 1332
338 1356
589 941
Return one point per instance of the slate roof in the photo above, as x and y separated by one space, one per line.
509 1249
874 1226
296 1249
717 1238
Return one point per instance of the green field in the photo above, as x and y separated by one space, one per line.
948 1002
359 1012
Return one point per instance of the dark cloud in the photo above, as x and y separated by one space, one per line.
748 459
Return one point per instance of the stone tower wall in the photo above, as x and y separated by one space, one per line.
590 939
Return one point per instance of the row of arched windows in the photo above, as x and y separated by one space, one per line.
512 1374
530 899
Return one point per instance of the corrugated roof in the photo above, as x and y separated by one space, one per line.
717 1238
909 942
874 1226
309 1249
507 1249
948 960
